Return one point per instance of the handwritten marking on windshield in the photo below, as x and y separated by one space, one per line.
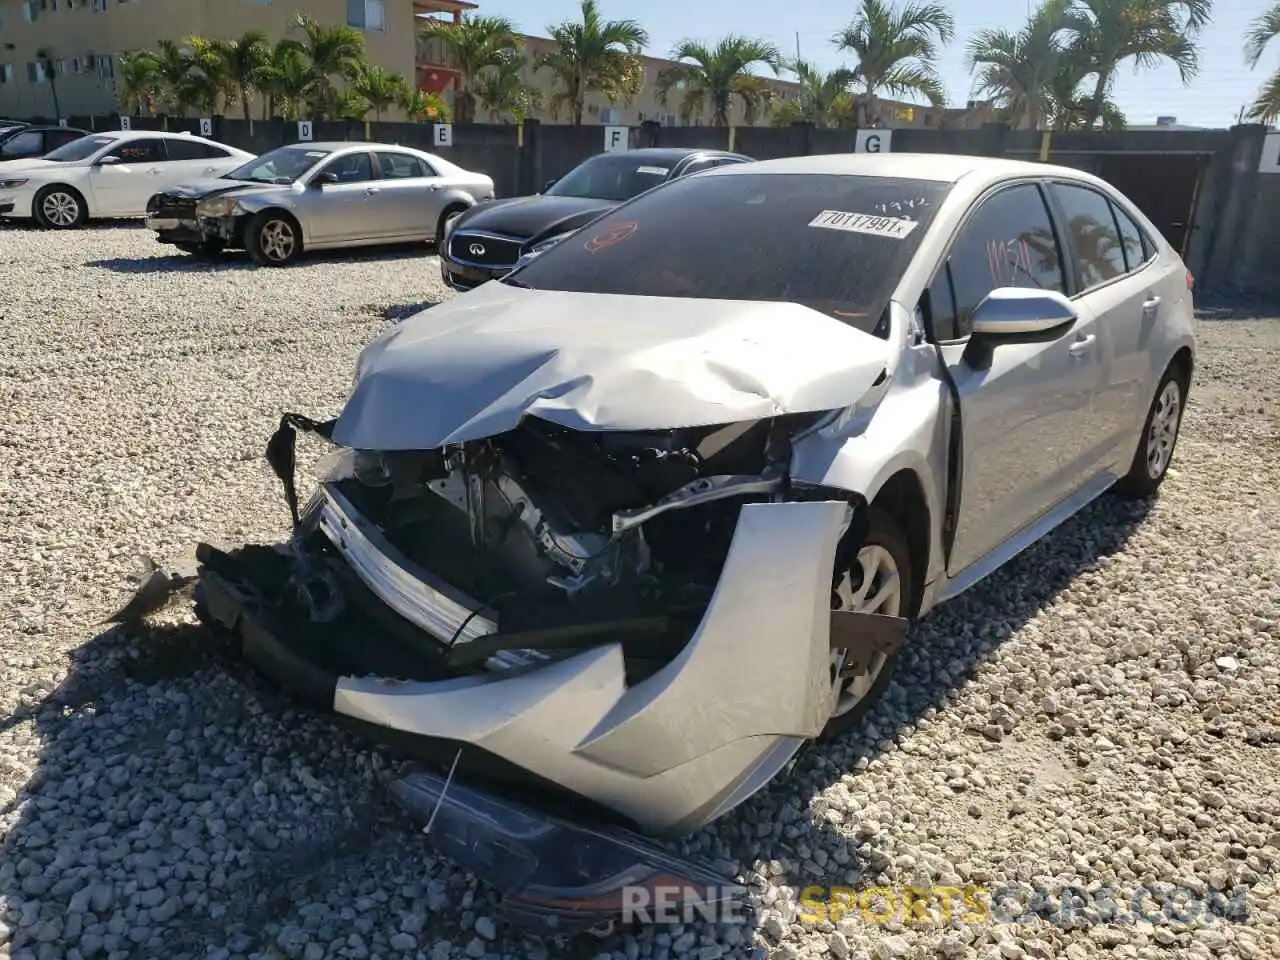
894 227
615 234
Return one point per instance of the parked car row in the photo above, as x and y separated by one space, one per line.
204 197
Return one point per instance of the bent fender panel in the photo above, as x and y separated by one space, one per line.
759 663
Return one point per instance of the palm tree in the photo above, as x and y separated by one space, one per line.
335 53
139 82
173 75
349 105
473 44
286 81
380 88
1266 108
897 49
207 78
593 54
824 98
419 105
1146 31
717 75
502 91
1016 69
243 63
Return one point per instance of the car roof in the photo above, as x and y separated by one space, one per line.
352 145
939 167
673 155
49 126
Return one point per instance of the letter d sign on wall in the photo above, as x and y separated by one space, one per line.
872 141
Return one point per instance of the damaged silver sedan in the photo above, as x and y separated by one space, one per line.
612 538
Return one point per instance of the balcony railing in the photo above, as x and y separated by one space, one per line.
434 53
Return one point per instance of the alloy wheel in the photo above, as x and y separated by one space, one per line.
278 240
61 209
1163 432
872 585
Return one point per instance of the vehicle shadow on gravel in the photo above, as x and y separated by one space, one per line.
238 260
790 819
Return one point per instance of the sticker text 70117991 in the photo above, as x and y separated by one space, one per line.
876 226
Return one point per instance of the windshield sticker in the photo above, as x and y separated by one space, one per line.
655 171
317 154
615 234
895 227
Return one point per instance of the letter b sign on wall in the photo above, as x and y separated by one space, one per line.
872 141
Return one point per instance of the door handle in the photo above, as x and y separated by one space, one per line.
1082 345
1150 304
155 171
371 190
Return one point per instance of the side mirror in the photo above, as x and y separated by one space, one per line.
324 178
1013 311
108 160
549 184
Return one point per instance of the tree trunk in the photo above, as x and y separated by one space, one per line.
579 100
53 89
1094 109
244 102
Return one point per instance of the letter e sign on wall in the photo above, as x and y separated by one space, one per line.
872 141
442 134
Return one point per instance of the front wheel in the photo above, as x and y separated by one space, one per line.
60 208
273 239
1159 437
877 580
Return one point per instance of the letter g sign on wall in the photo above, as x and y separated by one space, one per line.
872 141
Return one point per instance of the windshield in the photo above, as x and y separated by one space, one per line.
81 149
610 177
835 243
284 165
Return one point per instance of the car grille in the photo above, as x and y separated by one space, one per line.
178 208
484 251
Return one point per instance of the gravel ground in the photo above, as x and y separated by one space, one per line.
1102 713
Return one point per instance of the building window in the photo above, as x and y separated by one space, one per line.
367 14
31 10
99 6
106 66
6 73
35 71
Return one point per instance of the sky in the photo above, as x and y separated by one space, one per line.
1213 99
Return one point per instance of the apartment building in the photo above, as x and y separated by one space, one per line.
82 39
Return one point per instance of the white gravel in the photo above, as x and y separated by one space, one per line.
1102 713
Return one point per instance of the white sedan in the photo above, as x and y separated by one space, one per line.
107 175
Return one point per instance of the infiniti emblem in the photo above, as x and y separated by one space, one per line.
476 249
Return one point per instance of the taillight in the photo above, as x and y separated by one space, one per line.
1191 281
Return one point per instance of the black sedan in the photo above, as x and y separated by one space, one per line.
29 142
487 241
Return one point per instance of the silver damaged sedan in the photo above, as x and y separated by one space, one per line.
606 542
317 196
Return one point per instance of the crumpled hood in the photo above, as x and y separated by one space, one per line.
209 187
476 365
528 217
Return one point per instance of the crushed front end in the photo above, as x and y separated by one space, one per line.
635 627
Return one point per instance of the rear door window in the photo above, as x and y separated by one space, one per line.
1091 232
194 150
1137 248
400 166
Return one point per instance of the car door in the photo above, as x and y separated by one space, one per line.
1026 403
342 209
406 199
121 188
1120 278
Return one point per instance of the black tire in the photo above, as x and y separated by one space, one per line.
206 248
448 214
265 238
1158 439
58 207
884 532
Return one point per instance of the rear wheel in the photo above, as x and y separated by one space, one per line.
60 208
878 580
273 239
1159 437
